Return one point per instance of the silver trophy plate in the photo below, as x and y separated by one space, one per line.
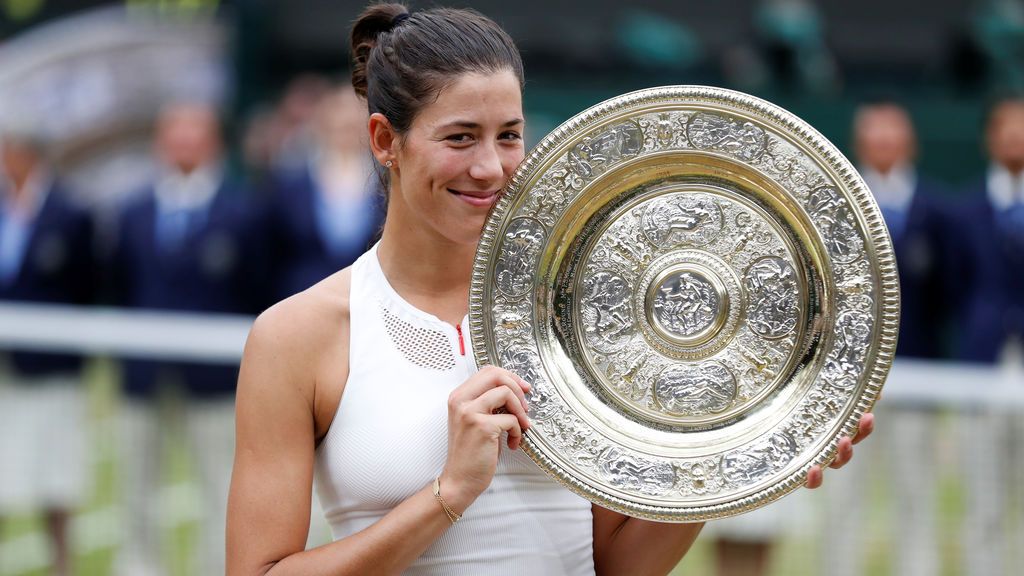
702 293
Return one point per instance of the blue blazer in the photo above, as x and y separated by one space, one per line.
993 280
58 268
301 255
219 267
924 258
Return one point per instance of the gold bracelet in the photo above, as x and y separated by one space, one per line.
452 515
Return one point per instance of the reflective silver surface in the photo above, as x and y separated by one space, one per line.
702 293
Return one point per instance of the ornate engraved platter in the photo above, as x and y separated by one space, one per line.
702 293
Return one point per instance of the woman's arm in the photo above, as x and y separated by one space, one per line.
624 545
271 485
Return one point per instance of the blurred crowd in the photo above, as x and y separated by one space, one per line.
205 236
194 239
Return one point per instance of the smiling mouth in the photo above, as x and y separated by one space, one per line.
476 198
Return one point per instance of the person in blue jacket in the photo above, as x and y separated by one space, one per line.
190 242
991 220
990 230
46 257
917 214
327 213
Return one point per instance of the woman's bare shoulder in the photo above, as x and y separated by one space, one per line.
302 332
300 345
312 313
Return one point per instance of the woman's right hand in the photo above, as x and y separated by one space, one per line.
489 403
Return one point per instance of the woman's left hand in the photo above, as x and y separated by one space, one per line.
845 450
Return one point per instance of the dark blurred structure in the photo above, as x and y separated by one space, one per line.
819 63
942 58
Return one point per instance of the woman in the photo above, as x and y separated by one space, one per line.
388 336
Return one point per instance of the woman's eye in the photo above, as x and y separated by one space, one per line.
459 138
511 136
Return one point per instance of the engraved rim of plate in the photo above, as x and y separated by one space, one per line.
839 169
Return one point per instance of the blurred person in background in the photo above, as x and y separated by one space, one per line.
283 138
46 256
991 224
326 213
189 243
885 146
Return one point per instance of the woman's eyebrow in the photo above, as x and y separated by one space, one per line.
474 125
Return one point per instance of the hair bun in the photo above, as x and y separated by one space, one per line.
374 21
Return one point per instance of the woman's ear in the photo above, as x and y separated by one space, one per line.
382 138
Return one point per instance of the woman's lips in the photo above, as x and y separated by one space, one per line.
478 199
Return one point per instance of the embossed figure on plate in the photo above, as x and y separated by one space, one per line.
607 314
682 219
520 247
745 467
713 132
593 156
832 214
628 472
771 286
695 390
686 304
847 358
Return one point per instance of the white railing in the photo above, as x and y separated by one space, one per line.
220 338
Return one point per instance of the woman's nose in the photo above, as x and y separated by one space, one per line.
487 164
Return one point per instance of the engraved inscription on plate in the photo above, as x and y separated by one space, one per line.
695 390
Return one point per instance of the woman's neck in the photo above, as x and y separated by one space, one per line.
431 272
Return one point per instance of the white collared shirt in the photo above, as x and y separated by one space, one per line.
193 191
893 191
1004 188
16 220
182 201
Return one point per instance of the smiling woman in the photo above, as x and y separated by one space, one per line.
448 167
363 381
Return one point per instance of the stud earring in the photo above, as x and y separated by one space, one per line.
389 163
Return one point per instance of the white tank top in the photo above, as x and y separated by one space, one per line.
389 439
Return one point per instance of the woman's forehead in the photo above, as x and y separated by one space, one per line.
476 99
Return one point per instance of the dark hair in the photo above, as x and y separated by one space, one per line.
401 60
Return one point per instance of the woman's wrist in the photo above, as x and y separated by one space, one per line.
455 494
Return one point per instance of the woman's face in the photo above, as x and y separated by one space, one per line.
459 153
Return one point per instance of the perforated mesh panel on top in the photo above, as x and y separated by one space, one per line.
422 346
